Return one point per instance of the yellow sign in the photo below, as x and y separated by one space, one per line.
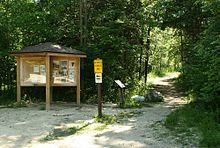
98 68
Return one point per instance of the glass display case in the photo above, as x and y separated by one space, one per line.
33 71
63 72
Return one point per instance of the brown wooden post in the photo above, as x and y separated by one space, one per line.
51 80
78 81
99 85
48 84
18 79
121 96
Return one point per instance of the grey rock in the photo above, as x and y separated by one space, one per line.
153 96
138 98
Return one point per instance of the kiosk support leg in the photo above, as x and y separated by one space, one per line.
78 82
18 80
48 93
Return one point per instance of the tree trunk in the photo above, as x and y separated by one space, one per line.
147 54
141 54
182 53
81 22
83 37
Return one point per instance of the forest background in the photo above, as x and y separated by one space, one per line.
133 38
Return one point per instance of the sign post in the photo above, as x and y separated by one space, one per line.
121 92
98 70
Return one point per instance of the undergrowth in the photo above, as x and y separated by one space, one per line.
204 116
110 119
130 103
60 132
196 115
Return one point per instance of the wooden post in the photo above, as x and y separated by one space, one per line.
121 96
51 93
99 100
78 81
51 81
48 93
18 79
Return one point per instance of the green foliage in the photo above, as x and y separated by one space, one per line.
49 137
131 103
60 132
115 32
196 115
7 79
110 119
138 88
115 37
183 15
165 54
22 103
106 119
208 49
198 24
202 69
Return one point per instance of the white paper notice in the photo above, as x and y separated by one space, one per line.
36 68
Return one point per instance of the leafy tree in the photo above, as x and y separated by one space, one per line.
198 24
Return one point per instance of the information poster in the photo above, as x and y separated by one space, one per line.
63 71
34 72
71 73
36 69
56 66
42 70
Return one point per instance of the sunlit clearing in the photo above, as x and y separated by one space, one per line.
120 128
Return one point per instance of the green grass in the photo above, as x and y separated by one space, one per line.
101 127
22 103
60 132
49 137
196 116
131 103
110 119
156 74
106 119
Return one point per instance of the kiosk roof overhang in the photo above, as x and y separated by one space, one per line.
49 48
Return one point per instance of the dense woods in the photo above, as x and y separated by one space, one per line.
132 37
198 25
118 32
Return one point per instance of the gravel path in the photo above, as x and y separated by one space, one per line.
25 127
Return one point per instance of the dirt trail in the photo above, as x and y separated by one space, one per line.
24 127
165 85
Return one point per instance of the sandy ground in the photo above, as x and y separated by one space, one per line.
24 127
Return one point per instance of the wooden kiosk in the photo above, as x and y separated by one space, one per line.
48 64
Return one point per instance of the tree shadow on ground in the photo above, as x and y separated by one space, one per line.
172 95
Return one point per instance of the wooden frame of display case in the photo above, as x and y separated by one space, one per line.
44 63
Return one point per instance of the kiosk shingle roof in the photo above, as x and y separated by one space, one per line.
49 47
